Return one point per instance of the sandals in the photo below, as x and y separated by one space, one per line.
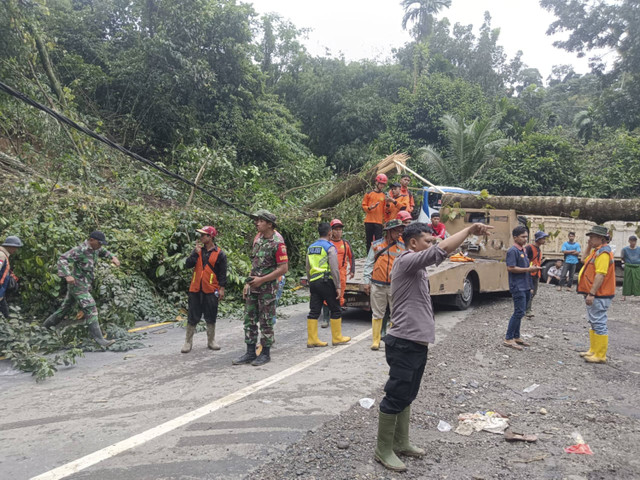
513 345
519 341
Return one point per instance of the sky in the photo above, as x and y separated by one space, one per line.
371 28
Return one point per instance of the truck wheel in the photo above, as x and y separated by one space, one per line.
463 300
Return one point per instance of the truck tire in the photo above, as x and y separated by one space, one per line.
463 300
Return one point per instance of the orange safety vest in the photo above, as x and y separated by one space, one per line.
384 263
588 275
375 215
204 278
536 261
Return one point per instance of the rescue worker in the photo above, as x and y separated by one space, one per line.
10 245
324 285
597 282
345 259
437 226
77 266
534 253
269 262
405 180
394 202
404 217
373 204
377 275
207 286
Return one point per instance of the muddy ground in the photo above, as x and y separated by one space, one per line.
471 371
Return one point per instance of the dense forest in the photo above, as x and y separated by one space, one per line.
210 86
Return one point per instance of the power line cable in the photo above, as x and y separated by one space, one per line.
66 120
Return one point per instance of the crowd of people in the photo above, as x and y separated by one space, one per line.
394 278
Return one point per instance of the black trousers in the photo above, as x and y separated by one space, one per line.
373 231
4 307
202 304
323 290
407 361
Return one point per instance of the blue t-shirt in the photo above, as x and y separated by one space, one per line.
518 282
571 259
631 255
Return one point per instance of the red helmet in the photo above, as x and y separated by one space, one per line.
336 223
382 178
208 231
403 215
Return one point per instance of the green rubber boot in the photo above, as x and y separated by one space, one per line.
401 444
384 450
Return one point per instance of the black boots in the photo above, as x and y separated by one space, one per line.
262 358
248 357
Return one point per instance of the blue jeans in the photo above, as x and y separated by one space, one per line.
597 315
520 300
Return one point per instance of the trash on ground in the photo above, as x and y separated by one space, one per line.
444 426
367 402
511 436
531 388
580 447
474 422
543 411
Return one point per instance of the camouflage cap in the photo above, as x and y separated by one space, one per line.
264 215
395 223
599 230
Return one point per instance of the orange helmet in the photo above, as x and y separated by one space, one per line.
336 223
382 178
403 215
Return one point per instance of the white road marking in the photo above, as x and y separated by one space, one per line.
132 442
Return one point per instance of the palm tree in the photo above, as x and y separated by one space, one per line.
470 149
583 123
421 14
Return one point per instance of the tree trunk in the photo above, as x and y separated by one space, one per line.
597 210
48 68
351 186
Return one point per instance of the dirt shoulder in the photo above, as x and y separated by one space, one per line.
471 371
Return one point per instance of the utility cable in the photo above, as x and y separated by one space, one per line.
66 120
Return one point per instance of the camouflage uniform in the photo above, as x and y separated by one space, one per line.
260 306
79 263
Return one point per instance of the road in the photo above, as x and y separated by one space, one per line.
157 413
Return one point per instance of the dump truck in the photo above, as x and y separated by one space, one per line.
457 283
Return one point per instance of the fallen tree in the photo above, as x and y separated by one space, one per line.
358 183
597 210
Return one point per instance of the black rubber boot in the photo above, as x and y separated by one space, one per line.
248 357
96 333
325 317
263 358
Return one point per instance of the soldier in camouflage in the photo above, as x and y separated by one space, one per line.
76 266
269 262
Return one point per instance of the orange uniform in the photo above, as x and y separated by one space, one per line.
392 209
412 203
345 257
590 269
375 215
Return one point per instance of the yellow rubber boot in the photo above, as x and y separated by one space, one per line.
600 347
312 334
336 332
590 352
376 327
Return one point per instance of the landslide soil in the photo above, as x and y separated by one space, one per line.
471 371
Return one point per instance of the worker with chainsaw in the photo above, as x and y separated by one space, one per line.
323 274
346 264
534 254
408 340
269 261
377 275
77 266
374 204
597 282
8 281
207 286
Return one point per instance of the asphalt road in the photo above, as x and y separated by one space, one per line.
157 413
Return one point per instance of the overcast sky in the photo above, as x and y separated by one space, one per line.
371 28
